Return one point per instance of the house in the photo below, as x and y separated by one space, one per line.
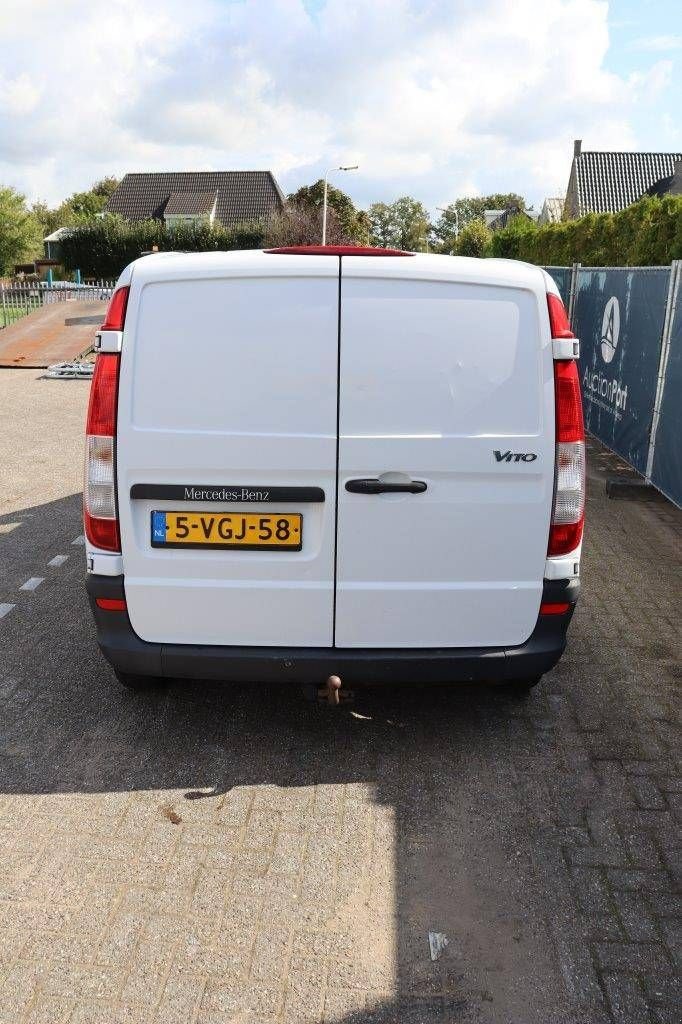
552 210
602 182
671 185
213 197
491 217
52 244
495 220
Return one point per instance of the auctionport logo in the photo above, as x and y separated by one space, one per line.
607 392
610 329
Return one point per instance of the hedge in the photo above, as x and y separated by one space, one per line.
102 248
648 233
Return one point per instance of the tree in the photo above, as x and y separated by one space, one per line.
20 235
79 208
463 211
301 224
474 239
86 204
403 224
49 220
351 222
509 244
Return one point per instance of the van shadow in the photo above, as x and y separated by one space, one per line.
412 794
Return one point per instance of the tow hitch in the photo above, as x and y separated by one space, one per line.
333 692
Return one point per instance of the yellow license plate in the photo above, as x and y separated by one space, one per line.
250 531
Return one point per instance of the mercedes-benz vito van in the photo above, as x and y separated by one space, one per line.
339 461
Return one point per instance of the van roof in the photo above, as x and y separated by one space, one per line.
258 262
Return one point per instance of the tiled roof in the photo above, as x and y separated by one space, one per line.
671 185
490 216
496 220
242 195
189 203
607 182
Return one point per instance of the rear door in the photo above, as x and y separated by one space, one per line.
227 406
444 381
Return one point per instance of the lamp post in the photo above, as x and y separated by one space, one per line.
331 170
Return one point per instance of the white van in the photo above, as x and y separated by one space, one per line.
341 461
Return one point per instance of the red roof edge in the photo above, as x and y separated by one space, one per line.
336 250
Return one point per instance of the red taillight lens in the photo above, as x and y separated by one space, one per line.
558 318
116 310
99 491
102 533
568 403
549 607
564 538
110 604
102 405
568 513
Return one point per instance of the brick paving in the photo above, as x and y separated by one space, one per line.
212 854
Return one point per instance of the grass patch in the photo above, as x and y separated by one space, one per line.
9 314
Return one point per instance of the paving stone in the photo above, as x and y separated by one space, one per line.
638 921
636 957
315 851
638 881
627 1000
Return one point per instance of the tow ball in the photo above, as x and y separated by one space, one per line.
332 693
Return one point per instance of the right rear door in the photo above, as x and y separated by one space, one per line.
436 376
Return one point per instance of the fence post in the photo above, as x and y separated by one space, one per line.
4 306
573 290
673 288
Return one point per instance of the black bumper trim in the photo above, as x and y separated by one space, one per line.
128 653
226 493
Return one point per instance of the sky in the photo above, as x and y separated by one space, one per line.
431 98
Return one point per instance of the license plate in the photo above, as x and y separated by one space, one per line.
250 531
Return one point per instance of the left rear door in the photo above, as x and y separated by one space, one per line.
229 379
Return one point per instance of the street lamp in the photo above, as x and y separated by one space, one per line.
354 167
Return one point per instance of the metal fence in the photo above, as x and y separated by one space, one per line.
629 322
18 298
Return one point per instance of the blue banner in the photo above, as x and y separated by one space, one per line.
562 277
618 317
666 473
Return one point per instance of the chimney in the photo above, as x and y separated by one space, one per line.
577 146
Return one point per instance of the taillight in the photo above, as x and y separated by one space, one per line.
546 608
568 514
116 310
111 604
99 492
558 318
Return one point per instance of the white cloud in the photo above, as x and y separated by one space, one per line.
431 99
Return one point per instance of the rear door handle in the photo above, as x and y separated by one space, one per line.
371 485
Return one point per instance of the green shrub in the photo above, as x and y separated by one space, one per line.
648 233
473 240
102 248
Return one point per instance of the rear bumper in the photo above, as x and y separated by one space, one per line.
126 652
